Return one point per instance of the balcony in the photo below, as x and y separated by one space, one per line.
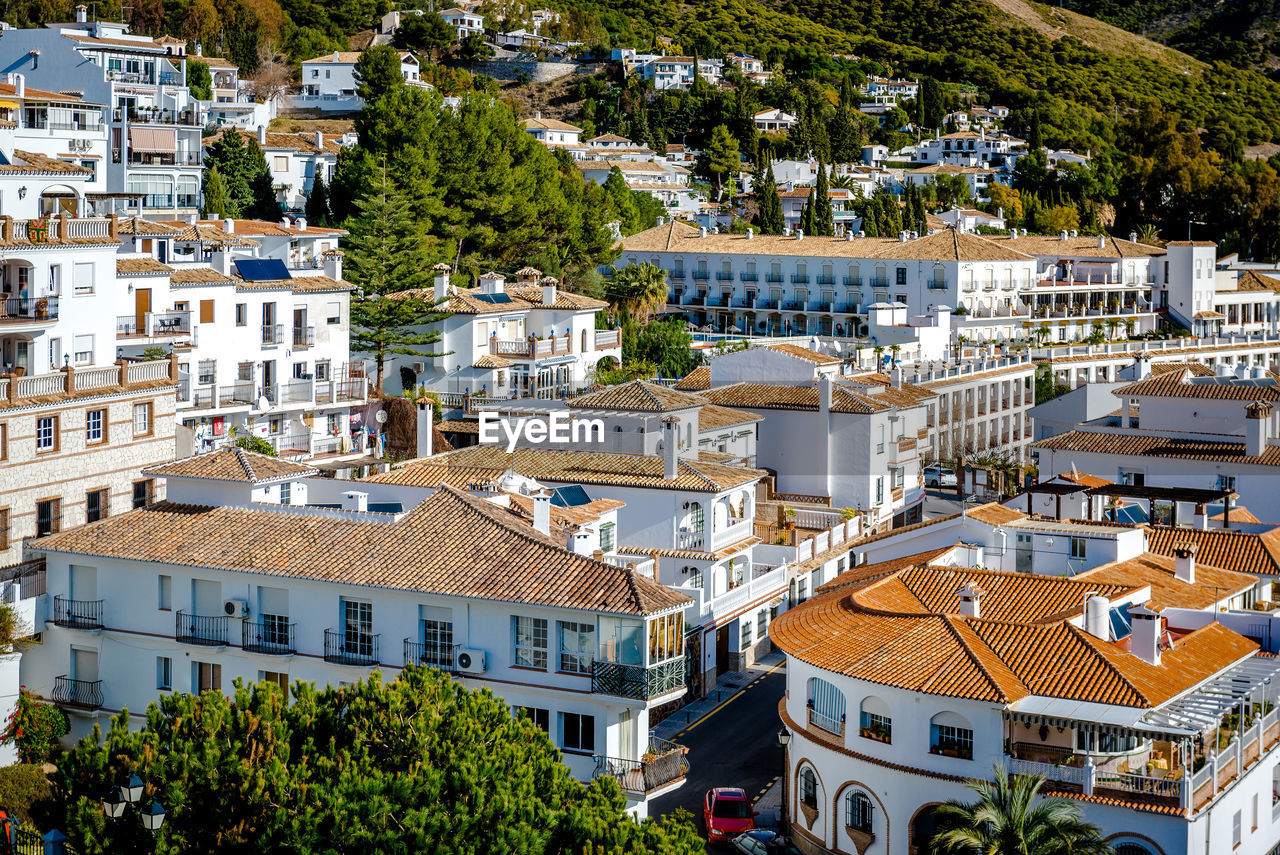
830 725
800 279
156 116
724 276
677 275
77 614
80 694
531 348
440 656
748 277
773 277
18 310
701 275
636 681
350 648
272 333
826 280
606 339
238 393
153 325
304 337
204 630
182 158
274 638
662 766
689 540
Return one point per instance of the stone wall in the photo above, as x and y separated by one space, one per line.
514 69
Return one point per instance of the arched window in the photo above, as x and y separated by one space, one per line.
617 428
694 519
808 787
857 810
1129 847
826 706
874 721
951 735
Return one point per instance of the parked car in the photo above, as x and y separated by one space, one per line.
764 842
727 813
939 476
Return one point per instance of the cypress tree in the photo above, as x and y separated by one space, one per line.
263 204
217 204
317 208
823 218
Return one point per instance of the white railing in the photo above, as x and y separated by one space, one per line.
1048 771
146 372
1127 347
773 582
1130 783
817 519
326 444
44 384
97 378
689 540
1200 778
608 338
296 391
94 228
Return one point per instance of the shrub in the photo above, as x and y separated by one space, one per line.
25 792
257 445
34 727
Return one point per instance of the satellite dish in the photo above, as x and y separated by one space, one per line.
381 417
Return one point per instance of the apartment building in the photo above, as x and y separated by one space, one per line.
328 82
1168 745
669 72
971 148
1182 429
151 602
532 339
153 124
262 338
295 160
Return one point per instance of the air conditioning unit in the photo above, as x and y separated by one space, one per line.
419 367
470 661
235 608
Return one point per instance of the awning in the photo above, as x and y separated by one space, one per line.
10 105
154 140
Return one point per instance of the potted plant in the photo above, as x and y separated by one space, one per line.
791 519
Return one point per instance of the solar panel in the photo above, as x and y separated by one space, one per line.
1120 624
569 497
492 298
386 507
261 269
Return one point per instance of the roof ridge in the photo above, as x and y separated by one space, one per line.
952 625
245 463
1083 638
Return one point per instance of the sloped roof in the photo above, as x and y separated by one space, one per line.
232 464
715 417
803 353
451 544
140 266
1212 585
1228 549
636 396
1095 442
696 380
1185 384
952 245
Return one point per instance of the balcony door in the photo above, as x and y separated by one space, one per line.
627 735
206 598
141 306
84 583
84 665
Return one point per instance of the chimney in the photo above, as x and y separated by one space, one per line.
262 134
662 221
549 290
848 234
82 14
537 115
799 234
826 394
670 448
542 511
336 58
220 259
1013 234
750 233
1102 241
895 377
1256 416
441 287
333 264
19 85
902 237
320 140
300 223
426 419
1184 562
1097 617
493 283
229 226
1133 237
355 501
1145 640
702 232
1141 367
284 222
970 600
1062 235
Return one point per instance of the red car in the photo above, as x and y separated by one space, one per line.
727 813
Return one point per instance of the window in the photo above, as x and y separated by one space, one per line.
206 311
206 677
1227 482
281 163
577 646
142 492
1253 812
857 811
4 441
826 705
279 678
164 593
242 314
694 519
537 715
607 532
530 642
695 577
244 372
95 426
47 433
880 490
666 637
82 349
142 419
82 277
333 313
4 528
206 371
322 370
286 493
951 740
762 618
577 732
745 629
357 623
437 642
164 673
1078 548
900 276
808 787
48 517
95 502
1235 829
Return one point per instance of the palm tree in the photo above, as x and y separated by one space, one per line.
1012 817
637 291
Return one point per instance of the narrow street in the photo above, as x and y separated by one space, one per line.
735 746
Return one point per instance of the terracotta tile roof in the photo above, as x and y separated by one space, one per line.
539 124
532 294
468 426
470 301
262 228
232 464
1191 243
1238 514
140 46
344 56
804 353
212 235
489 361
451 544
715 417
959 379
578 515
1197 369
994 513
140 266
1084 479
1251 280
145 228
32 162
677 236
1051 246
1094 442
10 91
693 554
636 396
1181 384
773 396
483 463
302 143
296 284
1244 552
952 245
866 573
198 276
625 166
1212 584
696 380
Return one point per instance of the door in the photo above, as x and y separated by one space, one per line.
1022 554
141 306
722 650
627 735
206 598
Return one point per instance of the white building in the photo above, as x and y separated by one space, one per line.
970 148
532 339
665 181
969 219
752 68
977 178
328 83
773 120
552 132
1112 685
672 72
463 22
294 160
151 602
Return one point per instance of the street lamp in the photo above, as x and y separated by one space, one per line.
784 738
129 795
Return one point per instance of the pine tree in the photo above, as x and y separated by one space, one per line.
386 250
806 215
317 208
823 218
230 156
217 204
263 204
